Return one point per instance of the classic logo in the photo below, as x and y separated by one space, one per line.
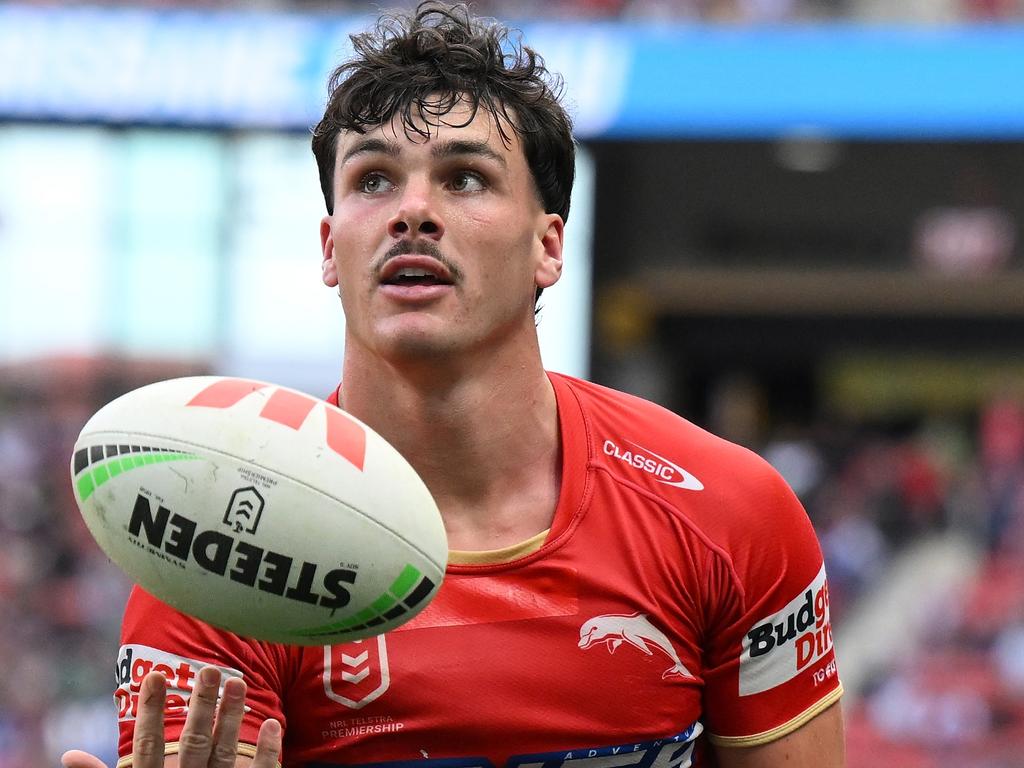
134 662
778 647
345 436
663 470
614 629
244 510
356 673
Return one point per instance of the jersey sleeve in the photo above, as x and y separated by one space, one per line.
770 662
156 637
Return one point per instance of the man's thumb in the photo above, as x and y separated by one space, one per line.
76 758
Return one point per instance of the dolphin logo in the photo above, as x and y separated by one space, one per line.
614 629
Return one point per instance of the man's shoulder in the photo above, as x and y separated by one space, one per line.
716 484
597 399
611 414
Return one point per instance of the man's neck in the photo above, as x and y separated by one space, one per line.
485 441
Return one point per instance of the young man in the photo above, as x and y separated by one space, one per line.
623 588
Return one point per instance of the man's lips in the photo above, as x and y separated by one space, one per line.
395 269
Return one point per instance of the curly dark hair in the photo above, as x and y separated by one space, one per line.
418 66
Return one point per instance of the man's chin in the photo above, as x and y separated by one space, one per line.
421 350
417 341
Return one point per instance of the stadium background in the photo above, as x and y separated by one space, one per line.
799 224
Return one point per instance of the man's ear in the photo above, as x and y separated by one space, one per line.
551 233
330 272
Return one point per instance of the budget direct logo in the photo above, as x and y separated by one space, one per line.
134 662
778 647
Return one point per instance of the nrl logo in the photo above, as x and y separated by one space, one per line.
356 673
244 510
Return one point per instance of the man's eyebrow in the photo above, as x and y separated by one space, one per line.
453 147
369 146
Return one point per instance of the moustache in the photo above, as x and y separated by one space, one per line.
420 248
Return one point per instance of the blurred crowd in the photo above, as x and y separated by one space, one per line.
711 11
60 598
871 491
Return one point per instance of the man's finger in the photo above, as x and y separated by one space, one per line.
268 745
76 758
196 741
229 722
148 741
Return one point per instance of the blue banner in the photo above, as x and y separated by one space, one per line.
253 70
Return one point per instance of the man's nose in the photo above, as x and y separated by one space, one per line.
417 213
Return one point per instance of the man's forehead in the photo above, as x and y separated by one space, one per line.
460 126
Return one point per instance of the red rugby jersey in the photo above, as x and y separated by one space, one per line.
679 597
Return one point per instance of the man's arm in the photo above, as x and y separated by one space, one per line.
210 736
816 744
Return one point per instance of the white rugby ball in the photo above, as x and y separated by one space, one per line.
260 510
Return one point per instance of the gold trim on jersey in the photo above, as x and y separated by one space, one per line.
782 730
498 556
244 750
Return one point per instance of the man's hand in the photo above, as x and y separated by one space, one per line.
210 736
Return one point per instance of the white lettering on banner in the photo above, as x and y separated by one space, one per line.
596 68
780 646
237 68
134 662
131 64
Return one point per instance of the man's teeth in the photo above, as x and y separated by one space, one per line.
414 273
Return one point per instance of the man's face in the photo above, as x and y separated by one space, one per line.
437 245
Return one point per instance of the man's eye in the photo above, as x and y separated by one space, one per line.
372 183
467 181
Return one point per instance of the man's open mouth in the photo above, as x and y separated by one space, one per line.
409 276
